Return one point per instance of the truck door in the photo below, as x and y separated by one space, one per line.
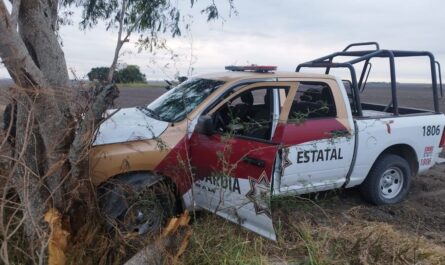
317 139
235 164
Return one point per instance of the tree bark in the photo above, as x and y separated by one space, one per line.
26 74
15 13
37 26
44 124
26 179
15 56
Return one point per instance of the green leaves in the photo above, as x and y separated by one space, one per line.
211 11
128 74
147 18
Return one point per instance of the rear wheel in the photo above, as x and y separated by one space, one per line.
388 182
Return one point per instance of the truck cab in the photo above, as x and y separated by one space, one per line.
228 142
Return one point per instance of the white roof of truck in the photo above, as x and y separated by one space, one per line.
230 76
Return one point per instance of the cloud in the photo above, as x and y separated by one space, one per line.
282 33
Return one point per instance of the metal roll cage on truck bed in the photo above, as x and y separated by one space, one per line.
365 56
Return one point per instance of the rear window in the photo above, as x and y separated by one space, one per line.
312 100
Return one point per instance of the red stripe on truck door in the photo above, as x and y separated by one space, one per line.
309 130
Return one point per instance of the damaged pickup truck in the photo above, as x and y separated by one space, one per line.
228 142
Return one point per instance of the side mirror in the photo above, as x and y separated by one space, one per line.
205 125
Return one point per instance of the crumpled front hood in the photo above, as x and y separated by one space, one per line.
129 124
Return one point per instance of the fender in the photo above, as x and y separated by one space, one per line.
113 195
403 150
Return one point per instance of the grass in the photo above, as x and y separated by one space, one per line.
308 234
302 240
216 241
142 85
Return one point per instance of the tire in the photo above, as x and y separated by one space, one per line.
123 197
388 182
149 211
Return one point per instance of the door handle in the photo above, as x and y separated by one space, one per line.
254 161
339 133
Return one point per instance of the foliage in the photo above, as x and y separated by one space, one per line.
146 18
100 74
149 19
128 74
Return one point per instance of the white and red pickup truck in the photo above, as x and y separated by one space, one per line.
228 142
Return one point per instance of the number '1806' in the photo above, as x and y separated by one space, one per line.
431 130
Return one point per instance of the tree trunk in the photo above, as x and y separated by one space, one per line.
50 157
37 25
25 73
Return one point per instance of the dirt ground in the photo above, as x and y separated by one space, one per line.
421 214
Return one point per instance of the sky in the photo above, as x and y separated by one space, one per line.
273 32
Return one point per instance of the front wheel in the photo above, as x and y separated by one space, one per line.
388 182
149 211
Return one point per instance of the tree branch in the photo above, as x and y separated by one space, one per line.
37 30
15 55
120 42
105 95
130 30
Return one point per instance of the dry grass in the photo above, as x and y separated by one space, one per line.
216 241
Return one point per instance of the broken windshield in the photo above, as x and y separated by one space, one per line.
174 105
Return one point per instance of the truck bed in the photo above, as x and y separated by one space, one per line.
377 110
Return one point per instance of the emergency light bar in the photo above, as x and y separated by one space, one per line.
253 68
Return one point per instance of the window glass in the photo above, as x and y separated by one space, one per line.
248 114
174 105
258 96
348 87
312 100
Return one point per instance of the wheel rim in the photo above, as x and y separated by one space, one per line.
143 217
391 182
